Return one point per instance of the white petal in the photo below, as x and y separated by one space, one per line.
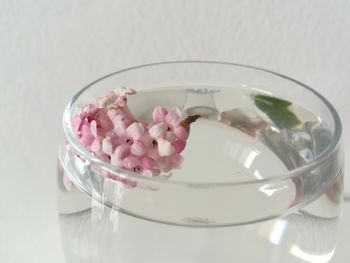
124 91
135 131
157 131
165 148
107 146
93 128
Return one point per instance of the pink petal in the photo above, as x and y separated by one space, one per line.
171 162
86 141
112 113
171 137
76 122
135 131
157 131
153 153
121 101
147 162
155 172
116 162
121 152
147 141
159 114
104 120
119 126
181 132
90 109
179 145
107 145
110 134
138 148
119 117
85 131
147 173
103 156
165 164
165 148
173 118
128 183
176 161
117 140
93 128
96 145
131 162
127 113
89 118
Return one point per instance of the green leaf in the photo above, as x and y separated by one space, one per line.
277 110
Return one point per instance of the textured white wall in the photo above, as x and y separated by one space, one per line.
50 49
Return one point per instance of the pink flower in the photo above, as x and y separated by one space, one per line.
141 166
171 122
87 133
111 133
120 153
91 129
170 135
159 114
133 136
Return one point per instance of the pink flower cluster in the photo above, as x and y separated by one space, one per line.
110 131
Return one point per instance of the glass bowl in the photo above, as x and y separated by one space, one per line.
282 206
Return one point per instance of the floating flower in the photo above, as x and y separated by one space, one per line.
170 135
110 132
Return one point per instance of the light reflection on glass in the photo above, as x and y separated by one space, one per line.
312 258
243 154
269 190
277 231
258 175
250 158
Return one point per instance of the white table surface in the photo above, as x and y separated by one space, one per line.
50 49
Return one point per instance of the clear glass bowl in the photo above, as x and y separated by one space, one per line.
288 215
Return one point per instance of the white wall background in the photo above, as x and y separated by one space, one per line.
50 49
